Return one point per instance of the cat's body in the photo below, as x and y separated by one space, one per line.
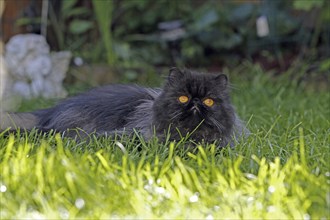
190 103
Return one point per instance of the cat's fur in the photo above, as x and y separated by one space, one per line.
118 109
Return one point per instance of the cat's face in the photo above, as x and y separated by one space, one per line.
193 100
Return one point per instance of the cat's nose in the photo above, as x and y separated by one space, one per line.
196 101
194 109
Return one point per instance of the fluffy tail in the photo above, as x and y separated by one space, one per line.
14 121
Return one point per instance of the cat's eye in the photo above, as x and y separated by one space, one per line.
208 102
183 99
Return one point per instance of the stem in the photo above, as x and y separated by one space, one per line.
103 11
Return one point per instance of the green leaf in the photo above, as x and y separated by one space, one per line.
307 5
242 12
67 5
103 11
122 50
209 18
80 26
27 21
78 11
325 65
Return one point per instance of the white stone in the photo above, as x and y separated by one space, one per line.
40 65
22 88
37 87
60 62
32 70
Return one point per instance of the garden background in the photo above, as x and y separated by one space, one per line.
276 54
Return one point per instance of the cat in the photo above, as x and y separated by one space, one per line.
190 104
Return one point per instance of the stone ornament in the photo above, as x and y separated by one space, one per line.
34 71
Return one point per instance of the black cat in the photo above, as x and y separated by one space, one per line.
190 104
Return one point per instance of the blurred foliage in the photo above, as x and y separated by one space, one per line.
103 12
220 30
69 23
307 5
216 33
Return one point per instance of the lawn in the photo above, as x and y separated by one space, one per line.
282 171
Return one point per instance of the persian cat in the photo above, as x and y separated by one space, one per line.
190 104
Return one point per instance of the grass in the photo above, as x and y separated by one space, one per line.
281 171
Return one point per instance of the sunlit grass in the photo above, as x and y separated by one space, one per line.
281 171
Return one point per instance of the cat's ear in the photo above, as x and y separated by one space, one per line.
175 74
221 80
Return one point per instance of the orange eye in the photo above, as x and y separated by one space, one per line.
183 99
208 102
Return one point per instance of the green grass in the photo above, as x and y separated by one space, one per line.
281 171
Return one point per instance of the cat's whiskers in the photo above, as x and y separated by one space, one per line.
175 115
219 126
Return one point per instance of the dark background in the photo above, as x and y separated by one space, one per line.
133 39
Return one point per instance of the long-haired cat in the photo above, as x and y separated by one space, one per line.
190 104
